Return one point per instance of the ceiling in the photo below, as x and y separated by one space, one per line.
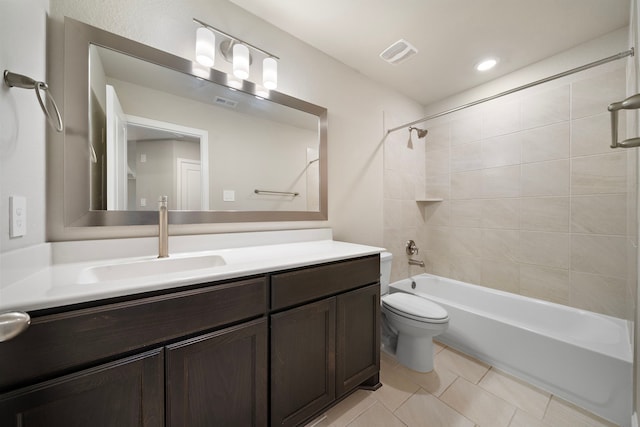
451 35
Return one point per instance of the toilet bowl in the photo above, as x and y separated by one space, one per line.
409 323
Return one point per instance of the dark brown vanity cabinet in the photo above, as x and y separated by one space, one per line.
328 342
269 350
116 364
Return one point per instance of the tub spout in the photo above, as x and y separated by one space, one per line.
416 262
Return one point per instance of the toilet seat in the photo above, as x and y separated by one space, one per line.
414 307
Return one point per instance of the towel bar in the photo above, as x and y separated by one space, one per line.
631 103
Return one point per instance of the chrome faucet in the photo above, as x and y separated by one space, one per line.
163 227
416 262
411 248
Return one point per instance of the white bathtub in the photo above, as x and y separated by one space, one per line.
578 355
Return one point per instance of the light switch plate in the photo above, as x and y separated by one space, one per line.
228 196
17 216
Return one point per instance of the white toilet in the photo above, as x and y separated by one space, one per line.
409 323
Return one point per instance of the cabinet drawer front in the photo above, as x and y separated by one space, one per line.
298 286
58 343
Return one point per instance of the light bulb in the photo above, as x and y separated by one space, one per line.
240 61
270 73
205 47
233 82
261 92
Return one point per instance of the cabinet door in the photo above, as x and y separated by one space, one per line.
219 379
128 392
302 361
358 338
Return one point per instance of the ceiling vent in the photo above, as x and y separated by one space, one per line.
224 102
398 52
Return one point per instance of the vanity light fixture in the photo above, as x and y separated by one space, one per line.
262 92
486 64
205 47
236 51
233 82
241 61
270 73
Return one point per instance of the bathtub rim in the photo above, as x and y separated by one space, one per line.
624 353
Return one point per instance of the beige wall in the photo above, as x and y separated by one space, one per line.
355 105
22 123
534 200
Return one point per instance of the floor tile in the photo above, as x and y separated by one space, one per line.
461 364
561 413
347 410
435 382
387 361
523 419
518 393
395 389
425 410
477 404
377 416
460 391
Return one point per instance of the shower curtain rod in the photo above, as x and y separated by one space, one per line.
611 58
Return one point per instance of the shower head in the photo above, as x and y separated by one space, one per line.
421 132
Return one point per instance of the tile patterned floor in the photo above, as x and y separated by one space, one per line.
459 392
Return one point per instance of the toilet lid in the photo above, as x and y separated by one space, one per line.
412 306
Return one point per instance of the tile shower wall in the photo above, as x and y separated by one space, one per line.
534 200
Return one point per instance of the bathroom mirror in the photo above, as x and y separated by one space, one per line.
141 123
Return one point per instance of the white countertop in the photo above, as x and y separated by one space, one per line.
59 284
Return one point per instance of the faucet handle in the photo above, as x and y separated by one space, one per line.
411 248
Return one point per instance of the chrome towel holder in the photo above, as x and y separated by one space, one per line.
24 82
631 103
277 193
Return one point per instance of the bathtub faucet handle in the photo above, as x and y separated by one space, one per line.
411 247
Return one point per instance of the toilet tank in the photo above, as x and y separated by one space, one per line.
385 271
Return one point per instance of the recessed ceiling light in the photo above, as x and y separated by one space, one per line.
486 64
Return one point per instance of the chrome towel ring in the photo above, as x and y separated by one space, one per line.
18 80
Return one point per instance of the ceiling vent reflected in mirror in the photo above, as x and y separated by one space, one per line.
398 52
225 102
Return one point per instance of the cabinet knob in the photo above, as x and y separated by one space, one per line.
12 324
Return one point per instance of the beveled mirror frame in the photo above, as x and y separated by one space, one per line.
77 38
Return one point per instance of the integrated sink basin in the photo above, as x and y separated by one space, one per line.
148 267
